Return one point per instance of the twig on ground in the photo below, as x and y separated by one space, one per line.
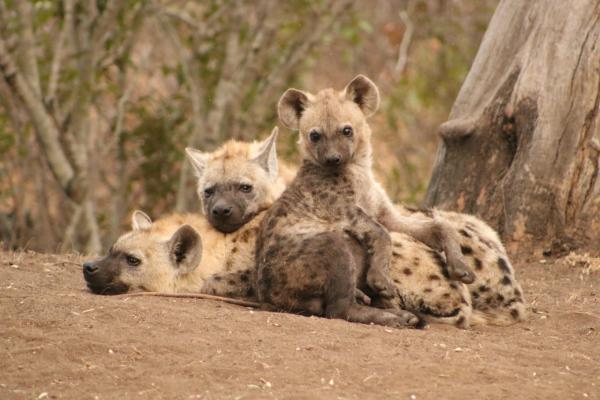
229 300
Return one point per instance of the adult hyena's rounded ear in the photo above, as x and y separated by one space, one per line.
267 155
291 106
364 93
140 220
198 159
185 249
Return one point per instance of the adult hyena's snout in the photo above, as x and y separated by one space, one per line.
102 277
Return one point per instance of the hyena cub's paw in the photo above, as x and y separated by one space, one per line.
380 283
458 270
401 319
361 297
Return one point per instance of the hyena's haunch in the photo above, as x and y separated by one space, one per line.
177 254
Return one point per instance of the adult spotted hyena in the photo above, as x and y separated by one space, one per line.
238 180
177 254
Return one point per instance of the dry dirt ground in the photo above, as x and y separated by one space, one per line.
60 341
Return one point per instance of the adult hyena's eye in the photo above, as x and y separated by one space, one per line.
314 136
209 192
132 260
246 188
347 131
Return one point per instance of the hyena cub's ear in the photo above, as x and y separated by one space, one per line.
198 159
185 249
363 92
140 220
267 155
291 106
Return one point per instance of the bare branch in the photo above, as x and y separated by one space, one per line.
405 44
46 130
26 56
58 52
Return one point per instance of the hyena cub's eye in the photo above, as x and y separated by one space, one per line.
209 192
347 131
133 261
244 187
314 136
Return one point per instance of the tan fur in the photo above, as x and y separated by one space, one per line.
228 256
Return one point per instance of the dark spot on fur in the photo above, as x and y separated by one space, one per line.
234 250
454 285
428 290
518 294
514 313
396 254
407 271
475 294
416 261
244 277
217 278
396 281
506 280
489 300
483 288
231 282
465 233
250 292
499 297
466 250
503 265
446 295
434 277
478 264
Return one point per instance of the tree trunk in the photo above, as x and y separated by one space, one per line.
521 148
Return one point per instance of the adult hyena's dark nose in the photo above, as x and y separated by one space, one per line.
334 160
89 268
222 211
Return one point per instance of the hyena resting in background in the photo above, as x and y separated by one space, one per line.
238 180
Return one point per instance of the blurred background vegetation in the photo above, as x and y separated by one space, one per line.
126 85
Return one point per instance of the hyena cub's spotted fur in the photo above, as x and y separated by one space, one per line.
167 256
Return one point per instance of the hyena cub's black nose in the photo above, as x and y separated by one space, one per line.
222 211
89 268
333 160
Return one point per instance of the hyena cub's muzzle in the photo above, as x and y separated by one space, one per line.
102 277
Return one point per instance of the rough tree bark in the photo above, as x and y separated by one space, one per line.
521 146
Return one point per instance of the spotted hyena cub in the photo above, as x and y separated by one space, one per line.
334 134
167 256
317 244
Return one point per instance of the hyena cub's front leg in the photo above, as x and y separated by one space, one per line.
377 244
437 234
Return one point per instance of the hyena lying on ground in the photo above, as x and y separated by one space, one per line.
167 256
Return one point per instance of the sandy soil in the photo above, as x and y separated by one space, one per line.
60 341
